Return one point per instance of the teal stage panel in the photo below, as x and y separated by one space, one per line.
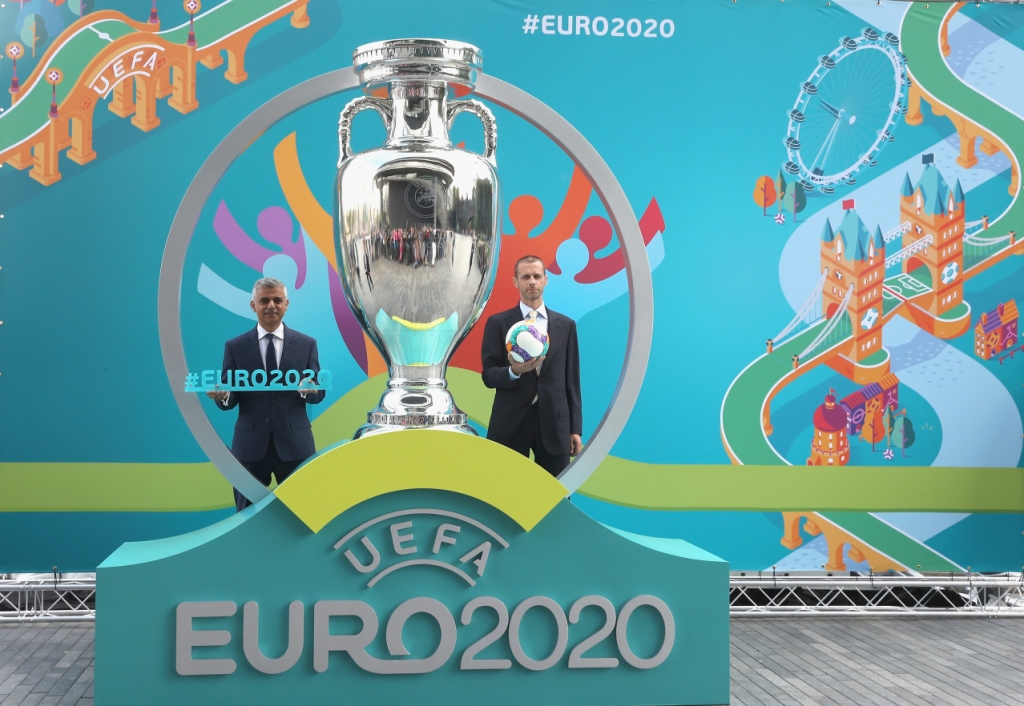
424 594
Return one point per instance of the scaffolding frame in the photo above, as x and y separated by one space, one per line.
751 595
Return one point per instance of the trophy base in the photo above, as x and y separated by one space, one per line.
404 408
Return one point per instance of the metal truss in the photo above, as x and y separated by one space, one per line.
766 594
47 598
753 595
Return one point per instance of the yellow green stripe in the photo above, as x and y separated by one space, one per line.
347 475
186 487
112 487
773 488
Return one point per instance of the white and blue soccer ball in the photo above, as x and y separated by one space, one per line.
524 341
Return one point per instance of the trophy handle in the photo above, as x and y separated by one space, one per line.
486 117
383 109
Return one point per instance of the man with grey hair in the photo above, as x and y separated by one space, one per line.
273 434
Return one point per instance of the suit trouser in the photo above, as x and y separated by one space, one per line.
271 463
528 438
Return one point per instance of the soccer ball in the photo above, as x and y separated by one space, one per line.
525 342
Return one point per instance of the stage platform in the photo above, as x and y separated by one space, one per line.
774 661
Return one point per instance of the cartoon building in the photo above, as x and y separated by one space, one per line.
831 444
996 330
855 258
935 214
870 399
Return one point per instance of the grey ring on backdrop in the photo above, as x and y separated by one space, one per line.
638 274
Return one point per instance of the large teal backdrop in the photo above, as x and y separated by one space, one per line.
900 118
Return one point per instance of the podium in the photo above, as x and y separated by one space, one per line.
418 567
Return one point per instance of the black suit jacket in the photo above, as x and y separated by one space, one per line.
557 387
283 412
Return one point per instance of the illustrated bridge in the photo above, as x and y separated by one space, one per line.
812 338
108 53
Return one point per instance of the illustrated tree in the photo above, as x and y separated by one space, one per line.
794 199
81 7
903 433
780 188
889 418
764 193
33 32
873 430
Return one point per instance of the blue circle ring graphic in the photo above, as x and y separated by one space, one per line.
638 273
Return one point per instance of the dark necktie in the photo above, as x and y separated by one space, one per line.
271 356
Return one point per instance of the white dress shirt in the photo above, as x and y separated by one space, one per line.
542 316
277 338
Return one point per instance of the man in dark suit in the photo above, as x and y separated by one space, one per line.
273 434
537 404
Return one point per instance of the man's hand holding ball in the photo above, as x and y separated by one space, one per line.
520 368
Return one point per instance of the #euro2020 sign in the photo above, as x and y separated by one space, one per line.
421 567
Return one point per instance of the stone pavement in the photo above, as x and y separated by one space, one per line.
857 660
775 662
46 664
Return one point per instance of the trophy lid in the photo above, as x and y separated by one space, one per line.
424 59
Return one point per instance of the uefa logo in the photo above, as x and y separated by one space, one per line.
422 197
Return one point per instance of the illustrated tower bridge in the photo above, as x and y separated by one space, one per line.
108 55
916 270
925 260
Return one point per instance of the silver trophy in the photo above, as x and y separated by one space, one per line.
416 225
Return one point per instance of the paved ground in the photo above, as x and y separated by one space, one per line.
774 661
45 664
878 661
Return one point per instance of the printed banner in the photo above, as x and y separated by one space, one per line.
828 193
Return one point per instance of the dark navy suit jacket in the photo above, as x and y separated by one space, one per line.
283 412
557 387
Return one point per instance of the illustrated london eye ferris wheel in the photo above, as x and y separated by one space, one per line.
846 110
